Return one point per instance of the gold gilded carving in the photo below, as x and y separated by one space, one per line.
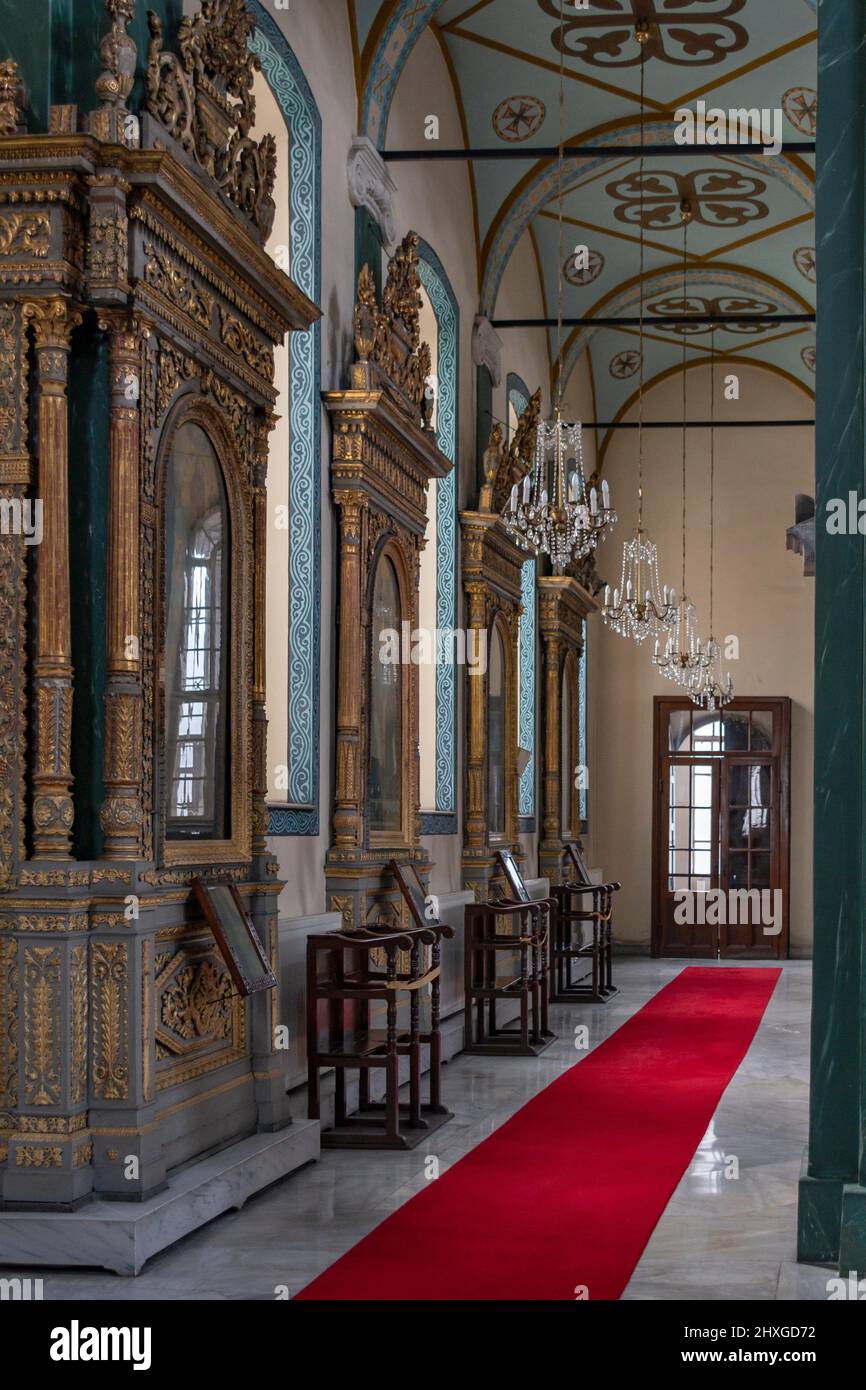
41 1011
240 339
78 1057
205 100
344 906
195 1006
387 340
110 1012
25 233
38 1156
117 53
11 98
164 274
8 1022
108 238
82 1154
147 1023
174 368
503 467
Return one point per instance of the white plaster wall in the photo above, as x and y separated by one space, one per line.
761 596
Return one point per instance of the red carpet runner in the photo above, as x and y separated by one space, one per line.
567 1192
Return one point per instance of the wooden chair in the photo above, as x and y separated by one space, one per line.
346 969
570 948
519 927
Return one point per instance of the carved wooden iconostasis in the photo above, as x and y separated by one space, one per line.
138 317
384 453
492 568
564 604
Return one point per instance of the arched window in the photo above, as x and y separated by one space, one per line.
197 561
385 765
440 327
286 107
518 400
496 734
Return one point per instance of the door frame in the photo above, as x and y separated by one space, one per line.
663 705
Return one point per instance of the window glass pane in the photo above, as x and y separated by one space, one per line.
738 870
735 725
386 714
197 548
760 871
738 785
762 730
496 736
706 733
679 730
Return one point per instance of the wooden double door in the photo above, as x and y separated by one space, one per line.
721 829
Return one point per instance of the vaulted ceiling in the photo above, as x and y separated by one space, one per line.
751 243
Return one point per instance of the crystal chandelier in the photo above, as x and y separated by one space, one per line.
640 607
552 511
711 688
683 658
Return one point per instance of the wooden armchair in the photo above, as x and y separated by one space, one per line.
571 947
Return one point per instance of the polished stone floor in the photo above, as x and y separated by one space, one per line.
719 1238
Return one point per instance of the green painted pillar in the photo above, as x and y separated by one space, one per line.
483 420
832 1212
368 246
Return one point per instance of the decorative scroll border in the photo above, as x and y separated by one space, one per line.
445 307
296 101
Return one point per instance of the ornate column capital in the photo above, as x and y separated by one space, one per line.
487 348
371 185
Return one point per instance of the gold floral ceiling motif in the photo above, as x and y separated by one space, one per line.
624 364
804 260
720 198
702 305
576 273
682 33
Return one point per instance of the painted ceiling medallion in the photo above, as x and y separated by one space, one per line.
804 260
809 358
681 33
719 198
625 364
518 118
800 105
724 304
579 274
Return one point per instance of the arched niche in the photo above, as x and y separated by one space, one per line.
501 739
202 670
391 788
564 606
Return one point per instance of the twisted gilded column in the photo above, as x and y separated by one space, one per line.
120 814
52 809
476 788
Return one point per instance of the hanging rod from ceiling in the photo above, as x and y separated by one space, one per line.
592 151
698 424
657 321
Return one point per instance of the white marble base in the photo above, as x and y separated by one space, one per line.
799 1283
122 1236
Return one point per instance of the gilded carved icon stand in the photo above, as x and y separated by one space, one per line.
124 1049
384 454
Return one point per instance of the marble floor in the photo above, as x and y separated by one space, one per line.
720 1237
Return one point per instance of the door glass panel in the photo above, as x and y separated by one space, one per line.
738 829
736 731
197 545
738 785
691 841
706 733
762 730
567 756
738 869
386 713
760 870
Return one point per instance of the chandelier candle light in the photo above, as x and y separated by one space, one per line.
683 658
552 510
640 607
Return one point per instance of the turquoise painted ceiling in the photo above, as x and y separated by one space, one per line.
750 245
